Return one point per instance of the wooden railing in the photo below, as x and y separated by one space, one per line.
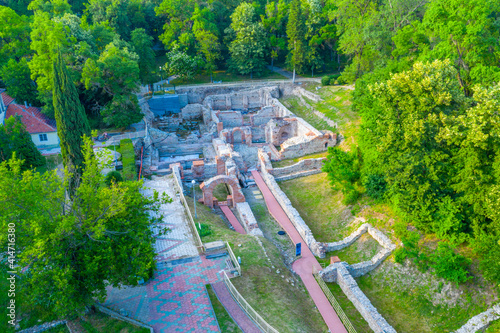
233 259
197 239
333 302
263 325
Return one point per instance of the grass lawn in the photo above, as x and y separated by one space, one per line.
58 329
494 327
225 76
363 249
291 161
226 323
284 306
319 205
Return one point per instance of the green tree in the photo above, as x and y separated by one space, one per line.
101 238
143 44
14 35
72 123
180 64
116 72
17 79
343 169
249 48
14 138
296 31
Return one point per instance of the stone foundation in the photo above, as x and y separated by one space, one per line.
481 321
246 216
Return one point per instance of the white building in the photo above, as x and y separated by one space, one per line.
42 129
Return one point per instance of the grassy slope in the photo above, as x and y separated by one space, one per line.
285 307
226 323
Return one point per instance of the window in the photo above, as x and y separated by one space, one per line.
43 137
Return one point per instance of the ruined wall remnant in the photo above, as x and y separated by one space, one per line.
302 168
192 111
278 130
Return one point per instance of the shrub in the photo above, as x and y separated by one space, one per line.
203 229
375 186
128 159
449 265
113 177
350 196
334 79
325 80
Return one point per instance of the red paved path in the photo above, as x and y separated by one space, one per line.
303 266
232 219
234 310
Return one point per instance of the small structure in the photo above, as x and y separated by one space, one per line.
234 197
42 129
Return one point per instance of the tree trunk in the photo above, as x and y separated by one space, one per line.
272 64
293 79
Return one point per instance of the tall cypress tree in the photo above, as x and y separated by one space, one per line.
72 123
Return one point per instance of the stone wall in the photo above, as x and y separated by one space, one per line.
230 118
317 248
311 164
246 216
192 111
481 321
351 289
258 134
307 144
263 116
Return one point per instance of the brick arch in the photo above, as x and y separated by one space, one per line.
209 185
243 139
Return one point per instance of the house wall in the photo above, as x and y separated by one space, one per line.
52 138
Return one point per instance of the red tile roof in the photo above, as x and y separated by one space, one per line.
32 118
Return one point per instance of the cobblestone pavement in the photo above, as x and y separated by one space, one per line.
175 300
178 242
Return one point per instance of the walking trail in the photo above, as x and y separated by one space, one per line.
232 219
234 310
302 266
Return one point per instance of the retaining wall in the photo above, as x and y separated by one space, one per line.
481 321
246 216
351 289
317 248
311 164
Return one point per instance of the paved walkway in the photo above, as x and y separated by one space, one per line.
178 242
233 308
303 266
175 300
232 219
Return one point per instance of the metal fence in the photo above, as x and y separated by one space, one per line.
263 325
233 259
333 302
250 82
115 139
197 239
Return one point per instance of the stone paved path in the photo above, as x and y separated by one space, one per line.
232 219
303 266
175 300
234 310
178 243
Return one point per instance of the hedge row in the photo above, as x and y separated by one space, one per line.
330 80
128 159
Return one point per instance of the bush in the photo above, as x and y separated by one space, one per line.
113 177
334 79
203 229
350 196
375 186
325 80
449 265
128 159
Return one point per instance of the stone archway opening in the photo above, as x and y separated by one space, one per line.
237 136
235 195
326 144
284 136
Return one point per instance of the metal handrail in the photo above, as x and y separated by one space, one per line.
199 243
333 301
263 325
233 258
